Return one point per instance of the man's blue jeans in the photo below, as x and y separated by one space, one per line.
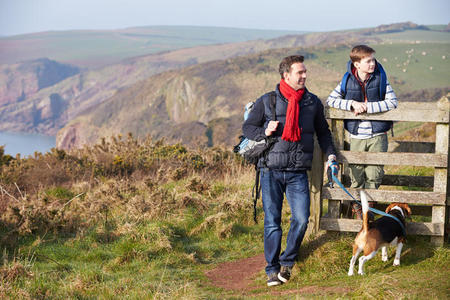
274 185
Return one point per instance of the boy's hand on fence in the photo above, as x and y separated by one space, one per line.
271 128
358 107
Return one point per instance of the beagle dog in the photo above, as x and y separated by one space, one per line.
379 233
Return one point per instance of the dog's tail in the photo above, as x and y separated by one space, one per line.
365 210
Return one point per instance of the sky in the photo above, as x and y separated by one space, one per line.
27 16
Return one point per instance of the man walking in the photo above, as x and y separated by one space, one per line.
299 115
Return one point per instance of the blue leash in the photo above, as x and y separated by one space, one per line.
334 171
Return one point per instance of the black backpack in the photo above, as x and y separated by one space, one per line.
252 150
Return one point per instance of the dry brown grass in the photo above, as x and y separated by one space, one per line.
13 271
424 133
117 181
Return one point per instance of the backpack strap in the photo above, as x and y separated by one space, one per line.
383 80
256 192
344 83
273 103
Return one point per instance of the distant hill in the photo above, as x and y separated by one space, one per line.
97 48
23 80
185 105
397 27
202 105
89 88
415 59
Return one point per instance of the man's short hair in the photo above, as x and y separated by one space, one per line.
359 52
287 62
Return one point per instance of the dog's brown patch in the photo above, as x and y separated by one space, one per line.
372 242
405 207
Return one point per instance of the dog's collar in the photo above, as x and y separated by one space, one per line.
400 209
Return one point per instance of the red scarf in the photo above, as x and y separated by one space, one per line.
291 131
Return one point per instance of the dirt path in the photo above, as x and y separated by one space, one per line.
238 276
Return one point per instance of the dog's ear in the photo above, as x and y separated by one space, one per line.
407 209
389 207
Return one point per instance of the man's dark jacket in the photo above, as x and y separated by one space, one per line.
290 156
354 91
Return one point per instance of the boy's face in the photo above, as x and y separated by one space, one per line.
366 65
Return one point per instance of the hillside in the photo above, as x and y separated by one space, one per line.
202 104
84 91
21 81
199 105
97 48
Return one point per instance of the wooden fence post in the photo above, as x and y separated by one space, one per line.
441 174
315 188
337 128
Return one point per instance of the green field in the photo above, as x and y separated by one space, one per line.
416 36
409 67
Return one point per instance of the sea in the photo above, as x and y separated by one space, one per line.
25 143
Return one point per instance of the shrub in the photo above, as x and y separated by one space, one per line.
118 180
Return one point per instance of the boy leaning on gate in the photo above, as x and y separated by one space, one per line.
365 89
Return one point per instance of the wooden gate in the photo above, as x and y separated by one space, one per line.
432 200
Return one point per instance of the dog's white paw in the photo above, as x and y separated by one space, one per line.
350 273
396 262
384 258
361 273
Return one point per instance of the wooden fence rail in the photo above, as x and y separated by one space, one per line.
420 154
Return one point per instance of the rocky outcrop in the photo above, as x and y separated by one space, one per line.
19 82
69 139
200 105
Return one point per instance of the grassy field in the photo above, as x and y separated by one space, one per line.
164 261
146 220
409 66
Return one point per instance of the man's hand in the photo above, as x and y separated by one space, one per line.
358 107
332 169
332 161
271 127
331 157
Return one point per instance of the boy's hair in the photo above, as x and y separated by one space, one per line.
287 62
359 52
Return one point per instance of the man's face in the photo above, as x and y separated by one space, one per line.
366 65
296 78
